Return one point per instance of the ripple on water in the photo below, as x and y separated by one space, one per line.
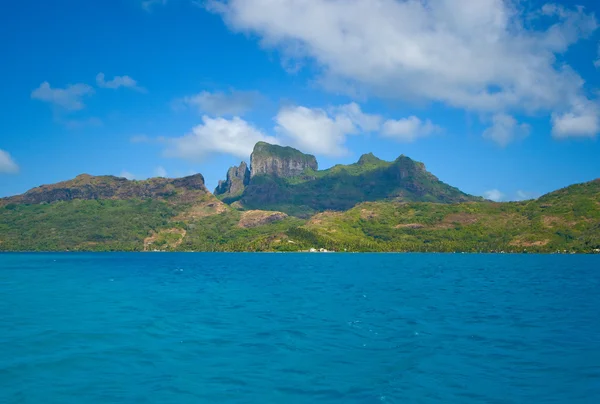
258 328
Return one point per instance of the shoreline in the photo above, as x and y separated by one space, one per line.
299 252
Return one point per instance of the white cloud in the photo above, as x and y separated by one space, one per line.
313 130
366 122
234 103
218 135
582 120
493 195
486 55
7 164
317 131
69 98
118 82
408 129
160 172
505 129
128 175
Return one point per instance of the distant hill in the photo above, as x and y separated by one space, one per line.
565 220
89 187
104 213
287 180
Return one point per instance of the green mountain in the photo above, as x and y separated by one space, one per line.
284 179
565 220
114 214
102 213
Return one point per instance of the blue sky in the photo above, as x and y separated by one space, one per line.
498 98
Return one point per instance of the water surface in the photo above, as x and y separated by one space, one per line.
299 328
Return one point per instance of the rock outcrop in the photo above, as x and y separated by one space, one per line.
236 181
89 187
279 161
369 158
255 218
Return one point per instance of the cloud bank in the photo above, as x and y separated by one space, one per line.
217 135
489 56
313 130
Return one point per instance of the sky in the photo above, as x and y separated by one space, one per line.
498 98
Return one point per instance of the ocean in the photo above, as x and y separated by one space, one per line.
299 328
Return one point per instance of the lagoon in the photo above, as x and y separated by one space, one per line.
299 328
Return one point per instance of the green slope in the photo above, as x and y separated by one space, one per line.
343 186
98 225
568 219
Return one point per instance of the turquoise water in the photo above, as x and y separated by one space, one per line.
299 328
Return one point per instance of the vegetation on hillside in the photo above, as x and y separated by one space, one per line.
286 204
565 220
343 186
97 225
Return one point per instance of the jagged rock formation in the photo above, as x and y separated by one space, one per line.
278 161
88 187
305 190
236 181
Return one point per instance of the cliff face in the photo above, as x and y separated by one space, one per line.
236 181
89 187
280 161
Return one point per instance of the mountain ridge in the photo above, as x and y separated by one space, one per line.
566 220
285 179
90 187
108 213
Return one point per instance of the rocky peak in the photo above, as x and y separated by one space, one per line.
279 161
369 158
191 182
236 181
404 167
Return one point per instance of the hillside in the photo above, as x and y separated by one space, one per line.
284 179
567 220
103 213
550 224
114 214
